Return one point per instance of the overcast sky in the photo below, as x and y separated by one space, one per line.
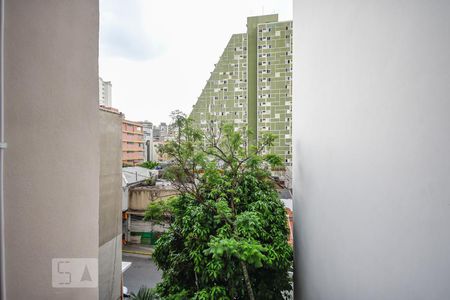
159 54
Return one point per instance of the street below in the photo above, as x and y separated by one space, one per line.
143 272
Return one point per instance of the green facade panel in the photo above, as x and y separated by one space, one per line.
251 85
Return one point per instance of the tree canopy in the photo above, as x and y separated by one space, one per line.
228 228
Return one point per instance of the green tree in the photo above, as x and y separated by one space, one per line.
149 164
228 228
145 293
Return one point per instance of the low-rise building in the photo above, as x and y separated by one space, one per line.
132 176
140 187
140 196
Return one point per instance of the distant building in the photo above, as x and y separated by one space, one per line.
251 85
148 141
156 133
164 129
160 132
132 143
105 92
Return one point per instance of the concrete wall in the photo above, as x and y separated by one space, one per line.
110 269
137 224
140 198
110 231
52 161
371 148
110 175
125 196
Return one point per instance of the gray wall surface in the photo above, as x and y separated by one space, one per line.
52 161
110 230
110 269
371 149
110 176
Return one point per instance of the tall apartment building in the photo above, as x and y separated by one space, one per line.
104 92
132 143
251 85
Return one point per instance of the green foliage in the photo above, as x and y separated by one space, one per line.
149 164
150 181
145 294
228 228
160 211
274 160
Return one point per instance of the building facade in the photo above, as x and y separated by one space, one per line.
164 131
251 85
140 196
104 92
132 143
160 132
148 140
110 212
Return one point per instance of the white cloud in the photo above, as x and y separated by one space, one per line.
160 53
123 33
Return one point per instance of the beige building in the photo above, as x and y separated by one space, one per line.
140 196
132 143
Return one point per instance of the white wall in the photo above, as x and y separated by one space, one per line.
371 149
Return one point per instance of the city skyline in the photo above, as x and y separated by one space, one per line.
141 50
